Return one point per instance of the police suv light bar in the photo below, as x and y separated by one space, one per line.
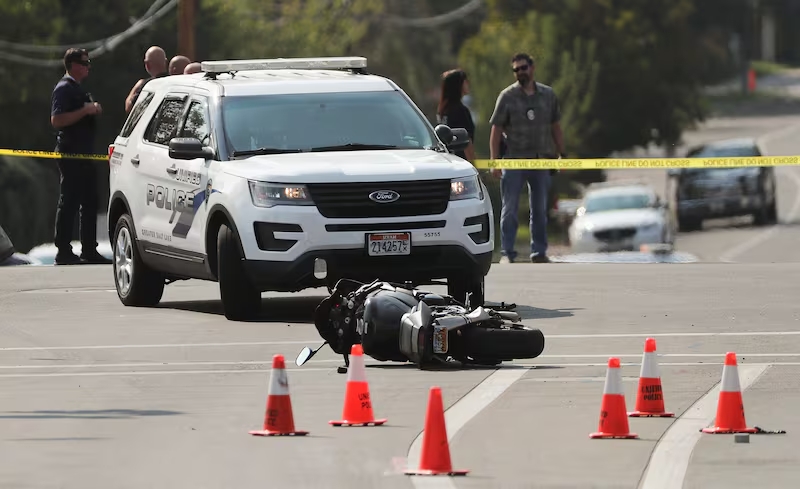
331 63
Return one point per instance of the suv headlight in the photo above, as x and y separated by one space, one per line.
466 188
266 194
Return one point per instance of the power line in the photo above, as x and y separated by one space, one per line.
435 21
100 46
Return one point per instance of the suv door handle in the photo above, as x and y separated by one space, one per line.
135 160
172 171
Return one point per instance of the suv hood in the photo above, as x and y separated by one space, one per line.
619 219
350 166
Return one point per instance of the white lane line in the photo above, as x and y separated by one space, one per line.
317 341
459 415
603 355
670 458
168 345
548 337
268 363
730 255
676 355
156 372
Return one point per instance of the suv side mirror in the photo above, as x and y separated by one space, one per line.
189 149
454 139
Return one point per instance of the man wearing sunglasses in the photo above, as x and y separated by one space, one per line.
527 118
73 115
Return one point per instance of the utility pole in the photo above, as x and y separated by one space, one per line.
186 14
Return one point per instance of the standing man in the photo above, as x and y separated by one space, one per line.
528 114
177 64
194 67
73 115
155 62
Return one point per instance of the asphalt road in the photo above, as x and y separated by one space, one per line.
97 395
736 239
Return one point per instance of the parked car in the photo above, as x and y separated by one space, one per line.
707 193
620 216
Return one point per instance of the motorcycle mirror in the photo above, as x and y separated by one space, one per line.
305 354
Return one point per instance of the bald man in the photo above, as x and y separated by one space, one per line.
155 62
192 68
177 64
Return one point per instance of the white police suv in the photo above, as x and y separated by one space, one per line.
286 174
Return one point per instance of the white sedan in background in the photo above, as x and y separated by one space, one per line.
617 216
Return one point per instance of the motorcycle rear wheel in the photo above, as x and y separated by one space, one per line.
501 344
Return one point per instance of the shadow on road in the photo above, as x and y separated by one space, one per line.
273 309
530 312
446 368
69 438
87 414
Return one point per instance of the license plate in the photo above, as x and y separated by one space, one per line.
439 339
389 244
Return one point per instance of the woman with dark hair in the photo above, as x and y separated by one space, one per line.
453 112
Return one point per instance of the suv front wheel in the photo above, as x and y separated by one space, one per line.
240 299
473 283
137 284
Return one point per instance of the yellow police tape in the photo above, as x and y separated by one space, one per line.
51 154
614 163
543 164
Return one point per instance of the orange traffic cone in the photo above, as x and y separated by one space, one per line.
613 416
730 408
278 420
357 409
650 397
435 455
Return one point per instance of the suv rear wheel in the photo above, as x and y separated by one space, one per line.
137 284
240 299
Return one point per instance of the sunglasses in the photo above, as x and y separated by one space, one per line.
520 68
84 63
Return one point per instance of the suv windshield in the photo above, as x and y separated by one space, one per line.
616 202
718 152
323 122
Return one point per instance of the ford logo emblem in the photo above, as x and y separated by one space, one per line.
383 196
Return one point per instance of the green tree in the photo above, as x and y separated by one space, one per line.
294 28
649 90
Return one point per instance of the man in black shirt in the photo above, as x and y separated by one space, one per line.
73 115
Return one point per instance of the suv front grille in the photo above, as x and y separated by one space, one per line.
351 200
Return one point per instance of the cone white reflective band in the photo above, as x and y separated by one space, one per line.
649 366
730 379
613 382
278 383
357 371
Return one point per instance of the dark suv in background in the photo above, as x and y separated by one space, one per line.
709 193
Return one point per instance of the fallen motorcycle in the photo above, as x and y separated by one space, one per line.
398 323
